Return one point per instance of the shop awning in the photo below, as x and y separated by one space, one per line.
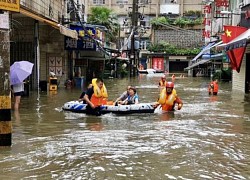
239 41
203 51
39 18
202 61
197 63
63 30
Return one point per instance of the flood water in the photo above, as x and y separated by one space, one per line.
207 139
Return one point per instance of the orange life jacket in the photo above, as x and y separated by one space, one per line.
98 101
167 101
99 96
161 83
214 87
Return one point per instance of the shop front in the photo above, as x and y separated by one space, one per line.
88 59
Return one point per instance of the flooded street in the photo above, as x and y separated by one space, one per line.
207 139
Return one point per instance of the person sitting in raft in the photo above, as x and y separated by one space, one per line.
123 96
96 96
81 98
168 98
213 87
132 98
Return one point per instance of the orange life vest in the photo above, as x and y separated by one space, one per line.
167 101
214 87
161 83
99 96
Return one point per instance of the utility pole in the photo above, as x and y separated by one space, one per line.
133 54
5 96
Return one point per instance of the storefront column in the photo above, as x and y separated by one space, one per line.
5 95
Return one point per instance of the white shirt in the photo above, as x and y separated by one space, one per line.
18 87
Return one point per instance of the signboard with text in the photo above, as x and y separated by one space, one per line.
85 40
4 21
207 10
13 5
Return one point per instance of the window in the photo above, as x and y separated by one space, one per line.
169 1
145 1
144 44
122 2
98 1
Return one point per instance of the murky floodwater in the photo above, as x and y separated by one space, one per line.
207 139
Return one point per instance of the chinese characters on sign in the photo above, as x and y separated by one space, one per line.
207 22
222 3
85 41
10 5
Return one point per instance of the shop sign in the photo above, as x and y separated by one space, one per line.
85 41
13 5
222 3
4 21
207 10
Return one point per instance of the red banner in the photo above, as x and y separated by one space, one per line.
222 3
235 55
158 63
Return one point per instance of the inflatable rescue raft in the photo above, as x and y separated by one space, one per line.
79 107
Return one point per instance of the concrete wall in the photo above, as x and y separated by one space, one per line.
47 8
51 44
239 79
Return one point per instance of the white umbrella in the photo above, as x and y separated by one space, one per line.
19 71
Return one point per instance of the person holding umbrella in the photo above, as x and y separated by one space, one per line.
19 71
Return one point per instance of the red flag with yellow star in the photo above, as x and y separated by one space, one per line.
235 55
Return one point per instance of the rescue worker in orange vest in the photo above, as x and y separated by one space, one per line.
163 81
168 98
96 96
213 87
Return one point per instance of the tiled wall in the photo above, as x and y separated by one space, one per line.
179 38
51 9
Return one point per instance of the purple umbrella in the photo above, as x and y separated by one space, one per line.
19 71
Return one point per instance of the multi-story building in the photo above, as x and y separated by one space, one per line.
147 10
239 15
40 33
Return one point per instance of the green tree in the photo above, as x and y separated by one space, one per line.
105 17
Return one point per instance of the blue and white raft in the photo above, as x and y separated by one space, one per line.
79 107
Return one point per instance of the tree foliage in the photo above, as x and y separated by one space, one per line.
180 21
105 17
172 50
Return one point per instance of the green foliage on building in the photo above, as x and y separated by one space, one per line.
172 50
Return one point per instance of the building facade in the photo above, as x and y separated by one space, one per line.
42 34
148 10
241 80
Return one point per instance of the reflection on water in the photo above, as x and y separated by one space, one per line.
207 139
